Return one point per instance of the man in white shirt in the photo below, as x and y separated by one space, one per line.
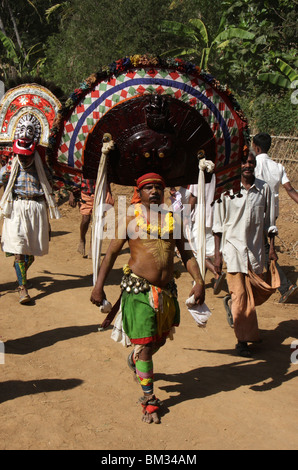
275 175
239 226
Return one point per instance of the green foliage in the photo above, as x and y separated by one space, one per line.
196 32
273 113
283 79
93 37
247 44
94 33
63 9
274 24
18 58
26 31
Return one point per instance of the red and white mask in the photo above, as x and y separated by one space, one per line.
27 135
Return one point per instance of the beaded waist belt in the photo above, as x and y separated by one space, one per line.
135 284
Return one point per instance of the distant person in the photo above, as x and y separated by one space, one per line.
275 175
179 199
86 203
239 226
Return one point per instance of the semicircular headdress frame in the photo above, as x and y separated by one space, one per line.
161 114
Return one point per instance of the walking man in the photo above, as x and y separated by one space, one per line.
239 225
25 203
149 306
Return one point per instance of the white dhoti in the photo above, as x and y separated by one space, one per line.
210 247
26 231
210 244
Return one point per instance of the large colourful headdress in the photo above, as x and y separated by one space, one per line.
161 114
164 115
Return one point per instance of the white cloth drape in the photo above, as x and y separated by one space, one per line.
200 313
98 211
26 231
6 202
46 187
118 333
200 220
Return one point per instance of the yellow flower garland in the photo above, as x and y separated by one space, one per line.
155 230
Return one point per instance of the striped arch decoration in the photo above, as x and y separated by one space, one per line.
204 115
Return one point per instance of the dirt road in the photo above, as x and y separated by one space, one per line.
65 385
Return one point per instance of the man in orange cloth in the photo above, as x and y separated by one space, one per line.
149 307
240 224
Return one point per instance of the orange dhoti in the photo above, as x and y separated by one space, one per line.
247 291
86 206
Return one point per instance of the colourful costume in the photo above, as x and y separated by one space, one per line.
148 314
26 201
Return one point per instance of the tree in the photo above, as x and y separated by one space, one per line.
23 35
94 37
6 5
283 78
274 24
18 59
201 46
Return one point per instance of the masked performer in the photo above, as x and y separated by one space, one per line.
25 202
149 306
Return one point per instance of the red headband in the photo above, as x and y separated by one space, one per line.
150 178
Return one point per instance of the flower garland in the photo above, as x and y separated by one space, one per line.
155 230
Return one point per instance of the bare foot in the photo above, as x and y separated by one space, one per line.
90 248
81 248
151 418
23 294
150 405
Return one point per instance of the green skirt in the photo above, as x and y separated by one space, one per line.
149 316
